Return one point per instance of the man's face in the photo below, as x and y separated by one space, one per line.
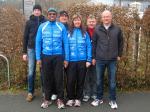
106 18
91 23
63 19
37 12
52 16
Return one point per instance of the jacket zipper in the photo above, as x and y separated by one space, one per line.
108 37
52 36
76 43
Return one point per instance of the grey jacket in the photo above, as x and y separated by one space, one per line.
107 44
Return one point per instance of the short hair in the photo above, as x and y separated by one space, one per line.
106 11
91 16
37 6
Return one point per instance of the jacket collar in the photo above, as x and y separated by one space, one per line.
101 27
34 18
52 22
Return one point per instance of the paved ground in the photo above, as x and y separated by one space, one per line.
127 102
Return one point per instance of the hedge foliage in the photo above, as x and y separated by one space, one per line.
134 68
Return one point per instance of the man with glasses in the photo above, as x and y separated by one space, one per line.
51 51
63 18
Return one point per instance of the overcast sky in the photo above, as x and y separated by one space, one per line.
103 1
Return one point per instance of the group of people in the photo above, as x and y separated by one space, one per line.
72 54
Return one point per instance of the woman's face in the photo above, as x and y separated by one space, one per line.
77 22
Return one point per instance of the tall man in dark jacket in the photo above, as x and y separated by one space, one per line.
107 49
29 46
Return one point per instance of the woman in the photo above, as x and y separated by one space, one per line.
79 59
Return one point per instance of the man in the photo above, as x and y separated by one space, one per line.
51 48
64 18
29 46
90 81
107 50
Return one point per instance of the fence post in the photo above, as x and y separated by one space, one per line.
8 70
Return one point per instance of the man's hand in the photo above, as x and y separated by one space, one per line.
25 57
118 58
39 63
88 64
93 62
65 64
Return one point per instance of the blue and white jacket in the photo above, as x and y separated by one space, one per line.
79 46
51 39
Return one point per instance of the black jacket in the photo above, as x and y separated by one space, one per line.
30 31
107 44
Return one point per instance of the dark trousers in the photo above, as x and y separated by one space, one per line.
53 74
90 88
76 73
53 85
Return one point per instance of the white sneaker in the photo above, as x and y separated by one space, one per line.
86 98
96 102
53 97
70 103
77 103
93 97
60 104
45 104
113 104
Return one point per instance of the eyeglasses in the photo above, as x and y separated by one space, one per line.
52 14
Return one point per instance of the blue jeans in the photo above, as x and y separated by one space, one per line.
100 70
31 70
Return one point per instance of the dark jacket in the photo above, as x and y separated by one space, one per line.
107 44
30 32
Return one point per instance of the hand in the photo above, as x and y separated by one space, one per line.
65 64
39 63
88 64
118 58
25 57
93 62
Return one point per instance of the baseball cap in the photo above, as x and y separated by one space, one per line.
63 13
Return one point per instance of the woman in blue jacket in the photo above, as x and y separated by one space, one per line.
79 59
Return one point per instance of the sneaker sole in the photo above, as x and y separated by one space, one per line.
98 104
94 105
85 100
61 107
114 107
30 100
46 106
69 105
77 105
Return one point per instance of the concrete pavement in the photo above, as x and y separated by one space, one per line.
127 102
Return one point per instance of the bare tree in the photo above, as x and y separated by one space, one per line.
60 4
